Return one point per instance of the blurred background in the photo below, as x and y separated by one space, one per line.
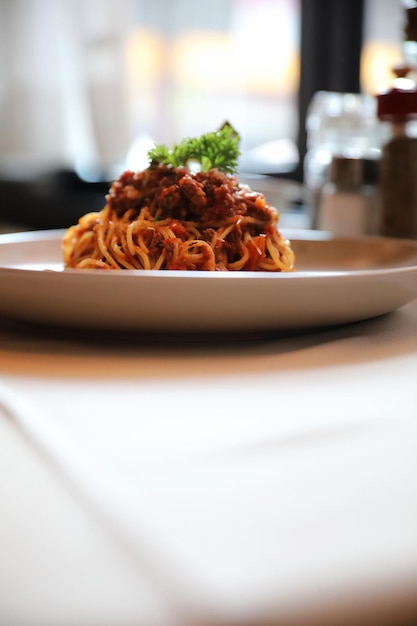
87 86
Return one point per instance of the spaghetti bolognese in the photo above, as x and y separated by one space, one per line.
168 218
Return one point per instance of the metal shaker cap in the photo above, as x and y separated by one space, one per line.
347 171
353 171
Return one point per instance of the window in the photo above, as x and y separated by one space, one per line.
383 33
88 85
230 59
92 81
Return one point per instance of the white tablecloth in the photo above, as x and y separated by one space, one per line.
208 481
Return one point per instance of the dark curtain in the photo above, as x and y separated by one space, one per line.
331 42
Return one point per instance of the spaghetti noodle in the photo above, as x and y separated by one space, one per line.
168 218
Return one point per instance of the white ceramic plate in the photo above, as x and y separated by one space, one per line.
337 281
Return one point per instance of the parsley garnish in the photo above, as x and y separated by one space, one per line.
218 149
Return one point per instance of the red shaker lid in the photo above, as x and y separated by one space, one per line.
400 102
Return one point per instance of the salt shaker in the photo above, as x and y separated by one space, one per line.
347 206
337 125
397 111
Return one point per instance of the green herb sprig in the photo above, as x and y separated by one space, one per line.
218 149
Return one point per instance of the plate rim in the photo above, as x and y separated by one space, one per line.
34 236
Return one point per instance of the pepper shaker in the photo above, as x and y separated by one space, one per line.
397 111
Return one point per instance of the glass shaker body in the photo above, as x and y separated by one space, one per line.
338 125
